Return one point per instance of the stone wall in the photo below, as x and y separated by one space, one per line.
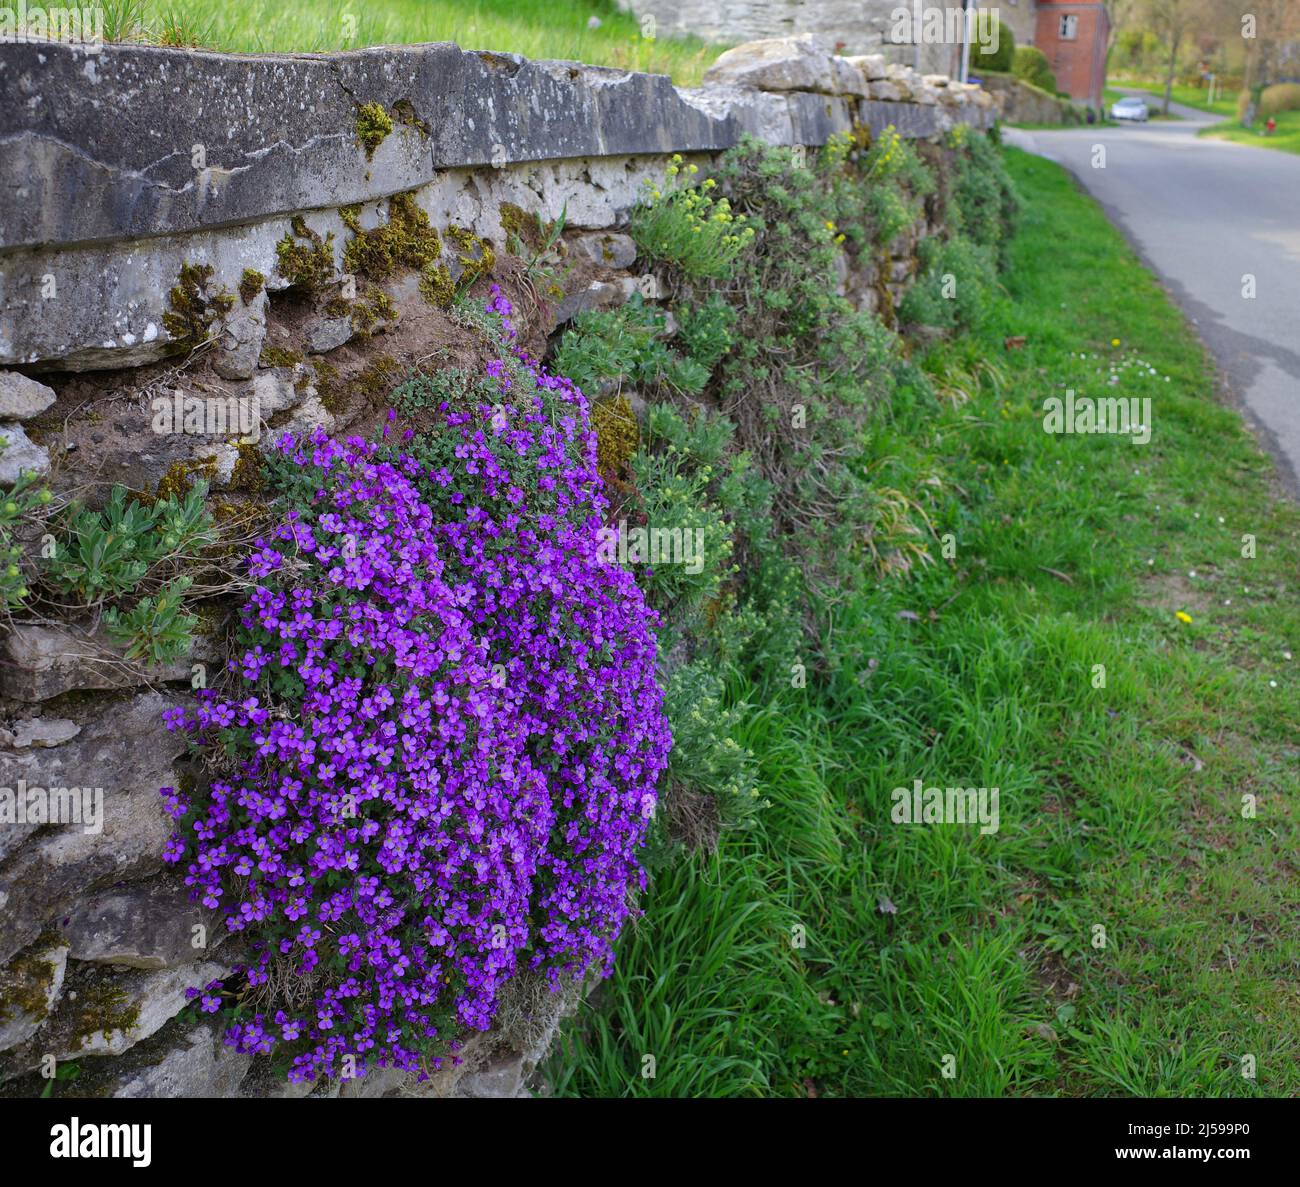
176 225
859 26
1020 102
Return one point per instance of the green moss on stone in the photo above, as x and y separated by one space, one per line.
250 284
375 382
437 285
248 474
406 240
476 257
307 265
277 356
102 1009
373 126
191 311
179 478
26 982
617 435
519 224
351 216
405 111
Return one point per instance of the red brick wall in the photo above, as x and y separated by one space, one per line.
1079 65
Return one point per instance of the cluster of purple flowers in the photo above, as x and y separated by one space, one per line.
442 756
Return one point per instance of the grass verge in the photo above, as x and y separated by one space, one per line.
1286 137
1131 926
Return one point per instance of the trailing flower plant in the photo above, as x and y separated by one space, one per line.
440 754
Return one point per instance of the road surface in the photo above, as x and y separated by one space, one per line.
1205 214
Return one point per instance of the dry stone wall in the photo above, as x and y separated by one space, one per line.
280 236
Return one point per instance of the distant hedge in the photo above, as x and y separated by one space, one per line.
1031 64
1282 96
1000 58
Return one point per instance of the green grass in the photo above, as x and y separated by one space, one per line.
534 28
1286 137
1120 806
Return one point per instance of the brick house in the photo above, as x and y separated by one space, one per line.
1073 35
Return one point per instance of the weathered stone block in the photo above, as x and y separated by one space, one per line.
608 249
196 1064
150 926
29 990
40 662
240 342
20 455
43 732
802 63
125 753
109 1013
22 398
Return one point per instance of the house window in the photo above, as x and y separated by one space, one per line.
1069 27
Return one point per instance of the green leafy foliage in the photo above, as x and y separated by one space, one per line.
706 758
955 287
983 203
24 499
128 547
107 553
806 367
679 507
155 629
627 343
705 330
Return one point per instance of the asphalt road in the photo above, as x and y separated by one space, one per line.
1205 214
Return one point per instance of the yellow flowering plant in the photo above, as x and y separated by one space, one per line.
681 222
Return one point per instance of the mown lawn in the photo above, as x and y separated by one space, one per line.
1131 927
559 29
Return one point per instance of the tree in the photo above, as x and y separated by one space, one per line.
1120 14
1173 21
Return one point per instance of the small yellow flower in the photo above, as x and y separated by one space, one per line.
1114 341
1183 617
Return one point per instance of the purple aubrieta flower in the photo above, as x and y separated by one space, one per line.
441 737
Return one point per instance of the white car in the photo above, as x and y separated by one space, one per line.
1129 108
